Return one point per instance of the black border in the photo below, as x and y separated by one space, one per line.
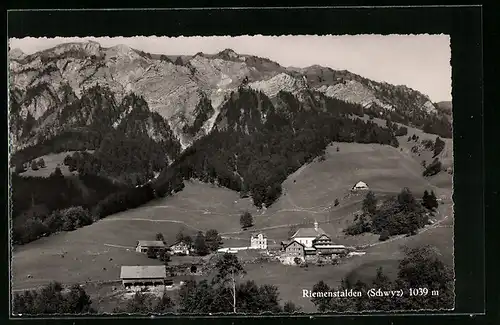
462 23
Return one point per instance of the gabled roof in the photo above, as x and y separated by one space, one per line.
151 243
293 241
360 184
143 272
259 233
309 232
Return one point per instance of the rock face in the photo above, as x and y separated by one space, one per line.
188 94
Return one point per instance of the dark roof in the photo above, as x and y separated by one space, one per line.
178 242
293 241
151 243
143 272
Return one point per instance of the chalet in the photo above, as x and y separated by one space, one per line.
360 186
295 249
180 247
144 245
258 241
143 276
306 236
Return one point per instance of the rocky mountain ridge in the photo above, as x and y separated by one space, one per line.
187 93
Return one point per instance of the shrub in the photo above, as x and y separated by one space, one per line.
384 235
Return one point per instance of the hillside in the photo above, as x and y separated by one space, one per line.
308 195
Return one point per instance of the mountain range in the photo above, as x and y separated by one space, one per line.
81 86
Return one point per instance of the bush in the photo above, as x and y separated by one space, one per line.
34 165
434 168
41 163
384 235
246 220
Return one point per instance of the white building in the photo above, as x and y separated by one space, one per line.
360 186
306 236
258 241
180 247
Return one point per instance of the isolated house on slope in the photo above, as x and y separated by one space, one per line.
360 186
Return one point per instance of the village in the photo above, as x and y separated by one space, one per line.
308 245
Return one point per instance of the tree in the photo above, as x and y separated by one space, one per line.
228 269
182 237
432 201
41 163
213 240
384 235
246 220
57 173
159 237
291 308
370 203
20 168
438 146
52 300
422 268
336 202
200 245
67 160
320 301
406 200
151 253
34 165
163 57
178 61
434 168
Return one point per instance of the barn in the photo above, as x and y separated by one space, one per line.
144 245
143 276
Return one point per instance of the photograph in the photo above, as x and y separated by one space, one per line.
231 175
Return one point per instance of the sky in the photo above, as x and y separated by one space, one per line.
421 62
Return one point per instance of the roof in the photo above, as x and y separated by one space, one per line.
309 232
259 233
179 242
310 249
143 272
151 243
294 241
360 184
331 246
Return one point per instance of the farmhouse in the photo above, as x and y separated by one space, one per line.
180 247
360 186
295 249
258 241
144 245
305 236
144 276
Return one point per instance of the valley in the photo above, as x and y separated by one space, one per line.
96 252
136 146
